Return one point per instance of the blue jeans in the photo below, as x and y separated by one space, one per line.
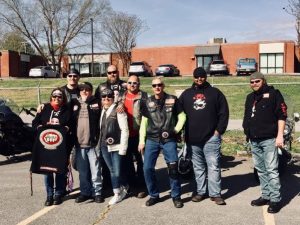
88 165
152 149
60 184
113 162
206 165
133 174
265 158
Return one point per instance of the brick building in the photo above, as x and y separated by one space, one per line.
15 64
272 57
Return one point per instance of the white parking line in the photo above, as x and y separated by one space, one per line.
41 212
268 217
37 215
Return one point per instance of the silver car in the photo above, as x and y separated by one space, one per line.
218 67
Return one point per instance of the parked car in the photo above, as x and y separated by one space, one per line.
43 71
218 66
167 70
140 69
246 66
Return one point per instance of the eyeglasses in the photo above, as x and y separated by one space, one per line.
72 76
85 89
107 96
112 72
157 85
132 83
56 96
255 81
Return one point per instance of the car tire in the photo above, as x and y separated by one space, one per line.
45 75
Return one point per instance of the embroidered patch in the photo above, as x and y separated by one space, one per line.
266 95
51 138
170 101
94 106
151 104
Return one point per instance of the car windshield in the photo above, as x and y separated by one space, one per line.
247 60
218 62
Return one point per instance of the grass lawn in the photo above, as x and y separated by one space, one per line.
25 92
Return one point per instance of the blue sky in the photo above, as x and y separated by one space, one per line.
194 22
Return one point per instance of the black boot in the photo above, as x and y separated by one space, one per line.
49 201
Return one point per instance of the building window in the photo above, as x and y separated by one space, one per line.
271 63
205 60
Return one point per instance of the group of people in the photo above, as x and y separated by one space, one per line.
120 125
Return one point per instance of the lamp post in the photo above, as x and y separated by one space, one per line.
92 36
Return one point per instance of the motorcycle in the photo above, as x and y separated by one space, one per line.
16 137
285 152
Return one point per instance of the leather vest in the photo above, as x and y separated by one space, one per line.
113 131
161 122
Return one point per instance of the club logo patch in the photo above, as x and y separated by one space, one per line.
199 102
51 138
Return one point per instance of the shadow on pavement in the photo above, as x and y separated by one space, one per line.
16 159
290 184
228 162
237 183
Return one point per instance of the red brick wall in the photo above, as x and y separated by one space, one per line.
232 52
10 64
289 57
181 56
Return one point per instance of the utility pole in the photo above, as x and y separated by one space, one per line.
92 34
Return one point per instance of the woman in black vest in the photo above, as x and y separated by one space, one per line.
113 142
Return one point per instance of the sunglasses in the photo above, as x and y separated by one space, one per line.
132 83
112 72
72 76
157 85
56 96
255 81
107 96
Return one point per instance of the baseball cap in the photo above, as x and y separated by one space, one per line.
199 72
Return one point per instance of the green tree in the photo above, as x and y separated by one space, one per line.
14 41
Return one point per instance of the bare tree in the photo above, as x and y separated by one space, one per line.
120 31
293 8
51 23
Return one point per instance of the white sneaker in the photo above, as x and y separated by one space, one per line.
117 198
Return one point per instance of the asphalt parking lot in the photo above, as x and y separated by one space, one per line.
239 188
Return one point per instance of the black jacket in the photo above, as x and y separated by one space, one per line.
206 109
63 116
263 109
94 110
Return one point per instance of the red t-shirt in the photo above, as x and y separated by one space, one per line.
129 99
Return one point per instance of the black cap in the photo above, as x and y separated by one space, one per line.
73 71
86 85
107 91
199 72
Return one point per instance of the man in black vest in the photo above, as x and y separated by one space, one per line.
162 120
